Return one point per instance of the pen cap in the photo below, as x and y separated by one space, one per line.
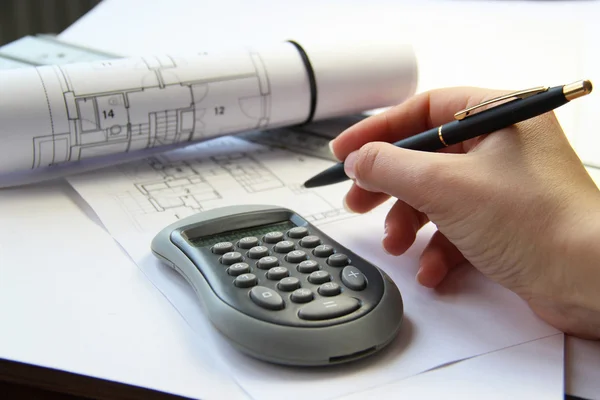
359 76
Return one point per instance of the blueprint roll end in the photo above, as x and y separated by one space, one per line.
357 76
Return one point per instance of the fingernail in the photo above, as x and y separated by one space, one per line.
332 151
385 235
349 165
345 204
418 276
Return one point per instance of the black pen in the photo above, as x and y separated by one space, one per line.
467 124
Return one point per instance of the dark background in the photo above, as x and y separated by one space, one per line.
19 18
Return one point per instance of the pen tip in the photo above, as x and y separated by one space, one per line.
308 184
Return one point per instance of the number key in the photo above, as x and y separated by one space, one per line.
231 258
319 277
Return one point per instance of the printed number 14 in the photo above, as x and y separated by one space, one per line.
110 113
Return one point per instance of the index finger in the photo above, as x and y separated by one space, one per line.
424 111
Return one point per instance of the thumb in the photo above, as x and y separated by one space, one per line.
421 179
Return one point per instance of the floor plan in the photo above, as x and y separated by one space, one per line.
57 114
163 107
144 195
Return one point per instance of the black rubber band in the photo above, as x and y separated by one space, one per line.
312 82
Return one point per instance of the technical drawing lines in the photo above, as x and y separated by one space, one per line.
331 214
176 193
248 172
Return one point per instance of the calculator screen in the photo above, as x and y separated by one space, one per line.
235 235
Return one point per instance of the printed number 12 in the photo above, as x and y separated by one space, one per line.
219 110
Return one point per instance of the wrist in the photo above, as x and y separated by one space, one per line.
572 301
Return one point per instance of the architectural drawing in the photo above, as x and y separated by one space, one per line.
164 105
177 184
103 107
63 113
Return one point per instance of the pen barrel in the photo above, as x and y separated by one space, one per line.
503 116
424 141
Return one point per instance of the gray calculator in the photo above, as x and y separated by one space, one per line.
279 289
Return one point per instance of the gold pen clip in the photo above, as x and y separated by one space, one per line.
522 94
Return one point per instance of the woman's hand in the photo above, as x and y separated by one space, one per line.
517 204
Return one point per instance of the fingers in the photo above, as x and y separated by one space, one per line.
361 201
422 112
420 179
438 258
401 226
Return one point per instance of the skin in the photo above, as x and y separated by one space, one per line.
516 204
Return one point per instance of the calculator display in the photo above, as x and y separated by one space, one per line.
234 235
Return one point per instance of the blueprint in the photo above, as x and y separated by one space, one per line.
145 195
309 139
52 115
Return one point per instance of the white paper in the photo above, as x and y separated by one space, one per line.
71 300
134 201
583 368
52 115
531 370
311 139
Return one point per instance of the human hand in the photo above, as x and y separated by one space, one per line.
517 204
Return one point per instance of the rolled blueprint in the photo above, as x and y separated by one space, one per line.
53 115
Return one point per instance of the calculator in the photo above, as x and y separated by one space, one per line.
279 289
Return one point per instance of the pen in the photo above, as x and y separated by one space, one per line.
521 105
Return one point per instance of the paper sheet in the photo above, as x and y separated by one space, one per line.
71 300
136 200
523 372
311 139
52 115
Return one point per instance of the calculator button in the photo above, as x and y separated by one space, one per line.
296 256
266 298
245 281
273 237
238 269
267 262
319 277
288 284
231 258
222 247
284 247
277 273
353 278
247 242
258 252
329 289
297 232
310 241
338 260
308 266
323 250
328 308
301 295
